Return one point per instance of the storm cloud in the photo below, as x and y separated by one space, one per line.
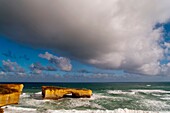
112 34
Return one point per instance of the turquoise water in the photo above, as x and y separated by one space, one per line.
106 96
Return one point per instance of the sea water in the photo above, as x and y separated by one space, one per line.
106 98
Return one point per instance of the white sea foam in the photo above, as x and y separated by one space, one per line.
11 109
36 100
83 102
120 92
41 106
156 105
165 98
157 95
24 95
39 93
31 102
136 91
149 91
100 96
32 99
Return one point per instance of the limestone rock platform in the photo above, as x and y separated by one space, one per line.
53 92
10 93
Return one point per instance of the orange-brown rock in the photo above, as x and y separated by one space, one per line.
10 93
1 110
51 92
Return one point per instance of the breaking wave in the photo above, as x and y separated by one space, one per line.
120 92
107 101
149 91
11 109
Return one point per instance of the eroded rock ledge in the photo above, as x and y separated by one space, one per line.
10 93
52 92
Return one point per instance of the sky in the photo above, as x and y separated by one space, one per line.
84 41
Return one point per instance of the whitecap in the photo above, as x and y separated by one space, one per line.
155 105
11 109
157 95
100 96
120 92
24 95
39 93
78 102
165 98
149 91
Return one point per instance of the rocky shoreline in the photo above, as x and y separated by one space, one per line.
10 93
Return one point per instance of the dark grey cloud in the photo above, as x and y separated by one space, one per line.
38 68
112 34
83 71
62 63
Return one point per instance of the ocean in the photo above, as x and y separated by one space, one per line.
106 98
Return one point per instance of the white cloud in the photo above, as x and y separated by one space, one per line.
2 73
112 34
9 66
